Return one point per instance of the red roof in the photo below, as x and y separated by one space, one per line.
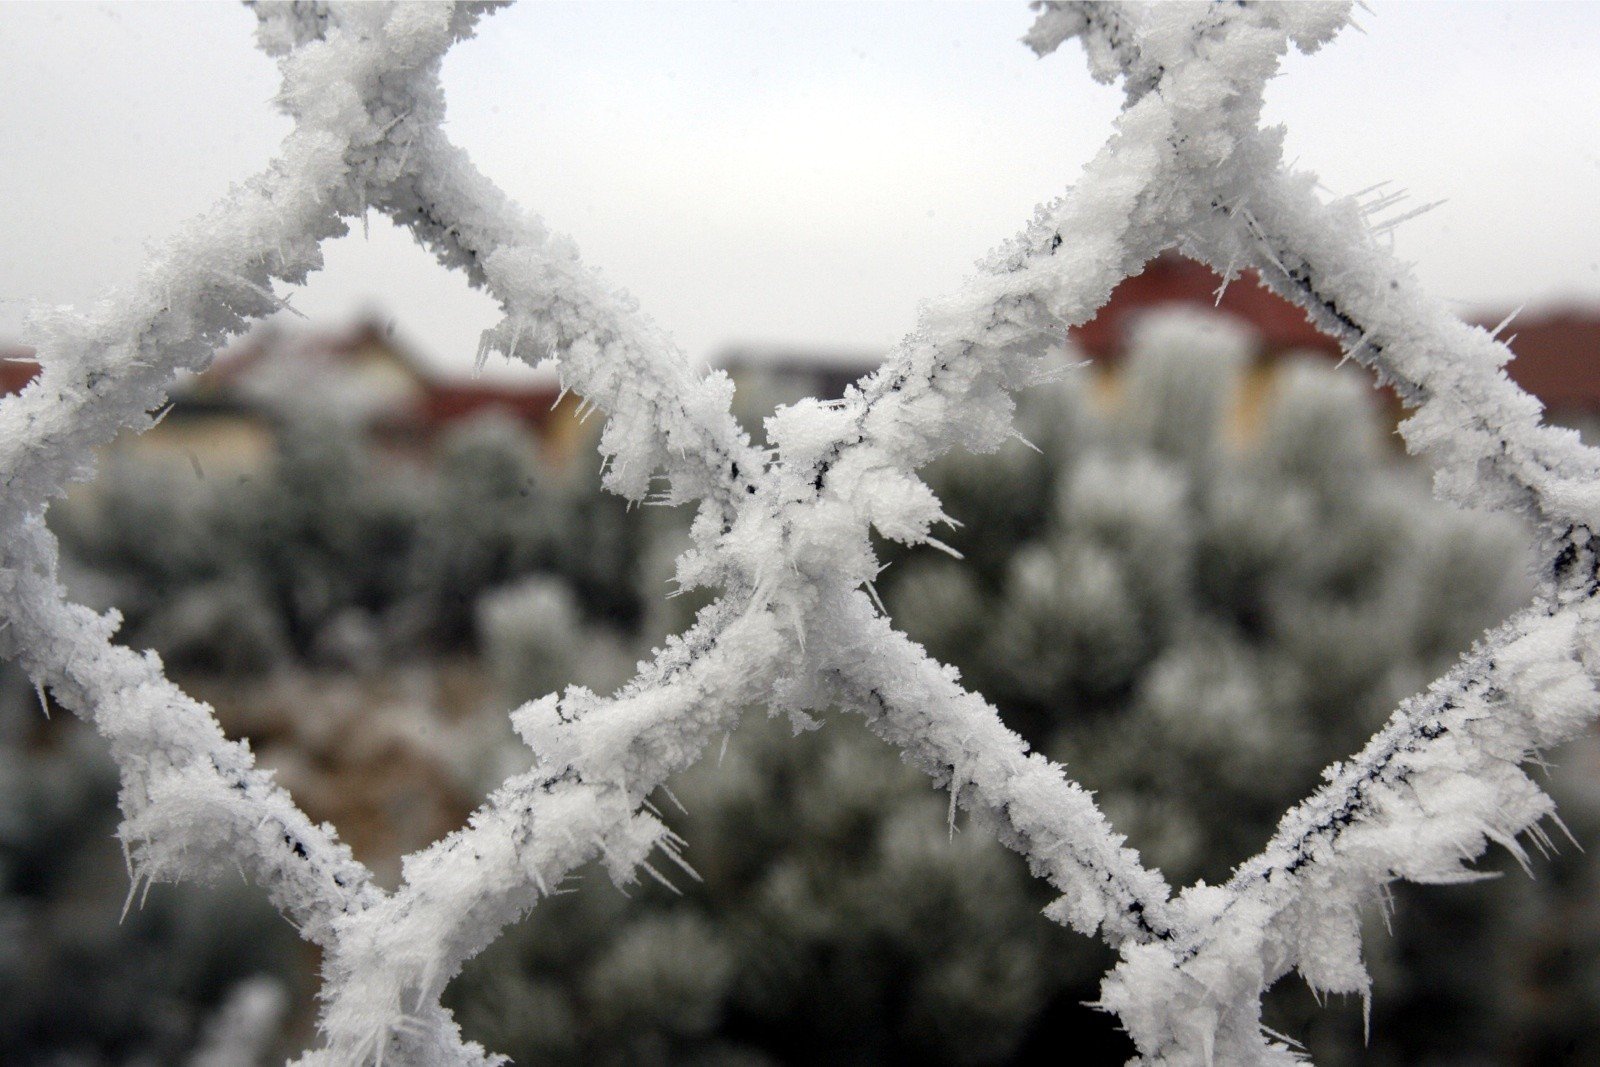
1557 357
268 339
1557 351
439 399
1172 279
17 369
444 402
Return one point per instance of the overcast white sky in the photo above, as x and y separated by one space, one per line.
794 173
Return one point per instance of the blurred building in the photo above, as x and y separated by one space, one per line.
1557 349
820 372
768 376
17 369
1279 328
1558 361
226 418
1170 280
365 376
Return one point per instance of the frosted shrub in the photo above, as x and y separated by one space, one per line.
246 573
784 537
1198 626
1296 592
80 981
325 555
536 640
835 920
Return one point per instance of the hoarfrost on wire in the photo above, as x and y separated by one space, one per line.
784 537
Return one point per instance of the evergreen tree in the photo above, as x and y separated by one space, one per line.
78 984
1196 611
338 554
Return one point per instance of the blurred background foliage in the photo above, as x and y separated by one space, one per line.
1194 612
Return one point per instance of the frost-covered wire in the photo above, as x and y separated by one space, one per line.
785 537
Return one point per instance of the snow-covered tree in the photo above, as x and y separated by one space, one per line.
1198 628
81 980
839 922
325 555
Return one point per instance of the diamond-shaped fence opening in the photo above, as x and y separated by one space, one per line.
784 536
